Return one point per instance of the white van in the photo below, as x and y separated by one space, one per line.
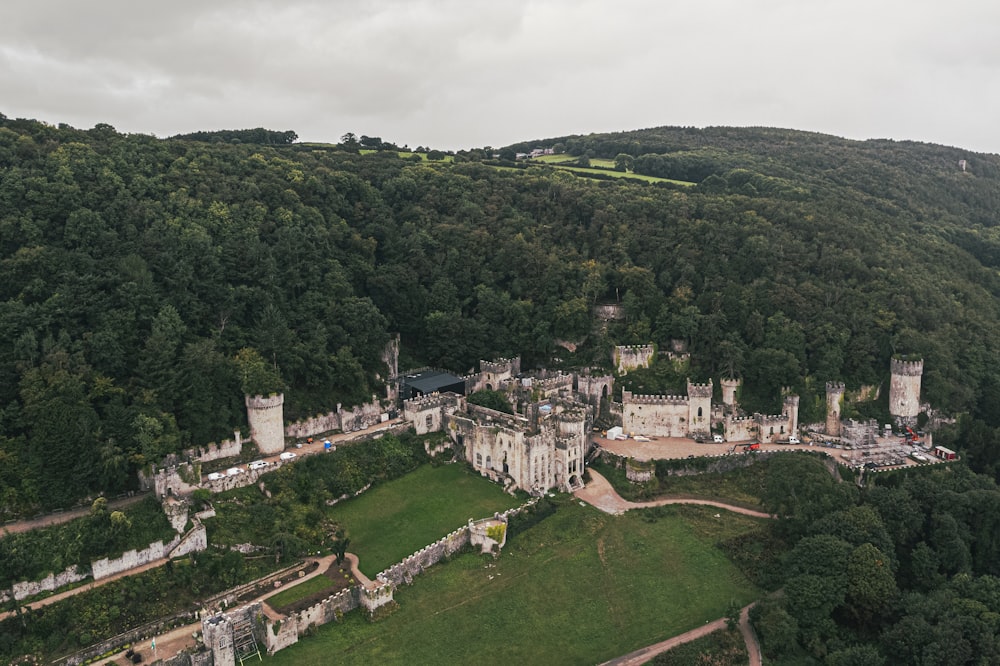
718 439
793 440
258 464
215 476
234 471
287 455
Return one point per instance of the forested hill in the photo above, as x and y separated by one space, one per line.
145 283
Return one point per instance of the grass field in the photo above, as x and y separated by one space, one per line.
394 519
579 587
300 591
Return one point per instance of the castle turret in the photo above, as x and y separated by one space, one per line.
267 423
699 407
729 388
904 390
834 395
790 409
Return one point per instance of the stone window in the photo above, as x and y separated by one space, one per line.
479 460
430 421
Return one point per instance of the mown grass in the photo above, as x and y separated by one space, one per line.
394 519
579 587
299 591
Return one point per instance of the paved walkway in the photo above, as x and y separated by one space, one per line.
602 495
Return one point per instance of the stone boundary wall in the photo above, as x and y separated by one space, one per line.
196 540
131 559
52 582
335 606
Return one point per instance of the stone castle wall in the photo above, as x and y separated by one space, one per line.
632 357
354 419
904 389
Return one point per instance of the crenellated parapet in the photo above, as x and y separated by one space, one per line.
906 368
501 366
260 402
629 398
835 388
630 357
699 390
265 415
429 401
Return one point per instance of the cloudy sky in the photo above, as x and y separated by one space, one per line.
464 73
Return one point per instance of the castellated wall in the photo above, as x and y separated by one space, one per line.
195 540
656 415
428 413
632 357
595 389
267 425
493 374
904 389
356 418
414 565
741 429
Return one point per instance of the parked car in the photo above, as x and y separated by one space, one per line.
287 455
793 440
215 476
233 471
718 439
258 464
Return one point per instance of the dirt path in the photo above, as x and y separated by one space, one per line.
170 643
65 516
89 586
643 655
750 636
602 495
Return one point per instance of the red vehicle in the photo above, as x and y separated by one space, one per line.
751 447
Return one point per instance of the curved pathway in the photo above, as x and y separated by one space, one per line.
600 494
644 655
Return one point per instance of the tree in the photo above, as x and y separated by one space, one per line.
495 400
624 162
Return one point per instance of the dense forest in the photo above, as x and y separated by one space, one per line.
146 283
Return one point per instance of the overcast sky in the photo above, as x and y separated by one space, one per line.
464 73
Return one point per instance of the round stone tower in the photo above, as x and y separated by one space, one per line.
267 423
904 390
729 387
834 394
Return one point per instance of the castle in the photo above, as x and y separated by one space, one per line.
694 415
538 448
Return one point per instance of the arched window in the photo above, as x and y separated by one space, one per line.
699 412
479 460
489 463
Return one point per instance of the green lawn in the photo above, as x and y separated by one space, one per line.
395 519
300 591
579 587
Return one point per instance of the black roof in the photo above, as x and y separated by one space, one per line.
429 381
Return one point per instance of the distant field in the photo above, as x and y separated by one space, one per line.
579 587
404 154
397 518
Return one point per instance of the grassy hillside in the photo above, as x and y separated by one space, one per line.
579 587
